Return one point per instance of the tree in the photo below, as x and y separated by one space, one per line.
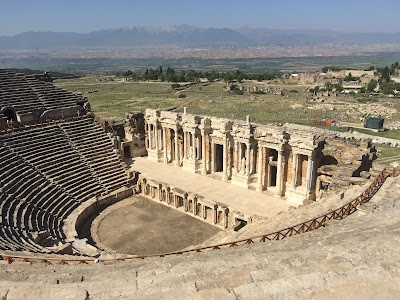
328 86
211 76
388 88
385 76
227 76
170 75
372 85
338 87
334 69
350 77
239 76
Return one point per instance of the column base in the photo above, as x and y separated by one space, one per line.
296 195
241 180
155 155
192 166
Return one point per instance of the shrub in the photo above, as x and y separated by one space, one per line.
175 85
182 96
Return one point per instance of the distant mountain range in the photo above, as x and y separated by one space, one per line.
188 36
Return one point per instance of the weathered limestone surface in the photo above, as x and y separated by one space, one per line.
354 258
283 161
46 292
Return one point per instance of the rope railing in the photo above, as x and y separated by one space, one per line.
301 228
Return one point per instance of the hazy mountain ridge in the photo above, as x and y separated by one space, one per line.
188 36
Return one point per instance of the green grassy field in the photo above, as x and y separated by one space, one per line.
387 154
111 98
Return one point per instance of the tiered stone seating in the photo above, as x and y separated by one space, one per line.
49 151
30 204
96 149
45 173
16 92
51 96
26 94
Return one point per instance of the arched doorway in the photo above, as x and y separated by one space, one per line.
328 160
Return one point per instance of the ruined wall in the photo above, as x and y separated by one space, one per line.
341 164
135 136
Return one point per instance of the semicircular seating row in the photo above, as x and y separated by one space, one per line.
45 173
26 94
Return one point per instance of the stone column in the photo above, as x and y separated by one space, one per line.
236 157
224 160
212 158
200 145
247 159
185 144
260 168
240 156
295 168
176 148
267 167
226 221
165 144
203 154
149 135
279 174
268 172
186 202
156 137
215 211
310 174
193 146
194 206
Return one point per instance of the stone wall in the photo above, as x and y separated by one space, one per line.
265 158
216 214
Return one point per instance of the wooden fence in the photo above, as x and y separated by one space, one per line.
304 227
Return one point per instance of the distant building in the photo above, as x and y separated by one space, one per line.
354 88
358 73
344 73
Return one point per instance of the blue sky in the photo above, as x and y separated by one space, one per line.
88 15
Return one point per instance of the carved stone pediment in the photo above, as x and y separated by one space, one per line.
220 124
271 135
169 115
205 123
152 113
242 130
190 121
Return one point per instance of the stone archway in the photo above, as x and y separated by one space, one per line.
327 160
